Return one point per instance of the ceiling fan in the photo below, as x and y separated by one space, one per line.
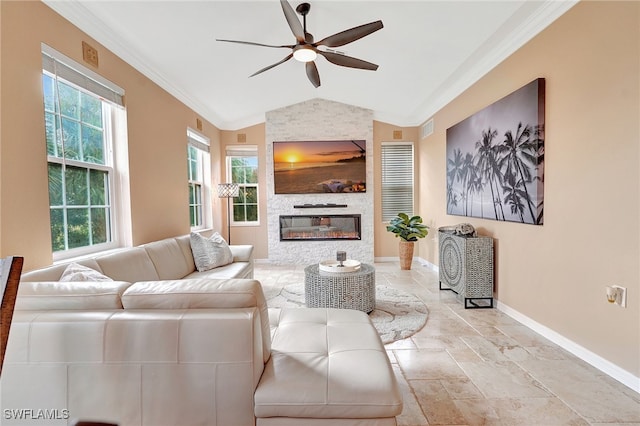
306 50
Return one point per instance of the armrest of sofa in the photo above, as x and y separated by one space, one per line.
77 295
242 253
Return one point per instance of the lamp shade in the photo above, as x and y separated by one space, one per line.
228 190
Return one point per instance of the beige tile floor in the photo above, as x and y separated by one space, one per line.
481 367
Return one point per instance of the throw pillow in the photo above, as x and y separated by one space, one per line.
77 272
209 253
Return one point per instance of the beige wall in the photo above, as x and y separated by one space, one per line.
256 235
556 274
386 244
157 125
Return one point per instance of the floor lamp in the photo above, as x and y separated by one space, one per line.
228 190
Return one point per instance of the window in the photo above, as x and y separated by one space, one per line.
199 162
397 179
81 110
242 168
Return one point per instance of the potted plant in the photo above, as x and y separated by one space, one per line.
408 229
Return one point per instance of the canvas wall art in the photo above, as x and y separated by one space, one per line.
495 159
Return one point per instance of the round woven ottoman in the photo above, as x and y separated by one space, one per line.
344 290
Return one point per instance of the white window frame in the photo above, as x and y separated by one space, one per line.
398 179
61 68
202 145
235 151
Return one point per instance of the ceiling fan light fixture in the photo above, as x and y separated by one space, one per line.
304 54
305 50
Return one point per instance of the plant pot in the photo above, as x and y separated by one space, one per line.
406 254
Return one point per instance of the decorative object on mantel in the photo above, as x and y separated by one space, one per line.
228 190
466 267
408 229
319 206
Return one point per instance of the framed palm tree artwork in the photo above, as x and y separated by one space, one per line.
495 159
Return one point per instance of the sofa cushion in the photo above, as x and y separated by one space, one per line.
33 296
209 253
242 253
232 270
184 241
201 294
130 264
169 259
54 272
313 351
76 272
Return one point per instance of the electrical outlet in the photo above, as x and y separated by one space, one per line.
621 298
618 295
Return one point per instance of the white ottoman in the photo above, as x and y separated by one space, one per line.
327 366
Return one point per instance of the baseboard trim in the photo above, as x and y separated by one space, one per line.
581 352
419 260
428 265
386 259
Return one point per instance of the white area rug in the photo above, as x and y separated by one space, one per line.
397 315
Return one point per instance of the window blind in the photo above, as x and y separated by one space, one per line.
241 150
197 140
397 179
67 69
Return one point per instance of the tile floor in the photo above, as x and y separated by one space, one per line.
481 367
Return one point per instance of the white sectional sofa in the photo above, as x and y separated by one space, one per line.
167 345
168 259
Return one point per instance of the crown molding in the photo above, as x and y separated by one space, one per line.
502 44
76 13
497 48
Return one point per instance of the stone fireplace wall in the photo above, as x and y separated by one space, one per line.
319 119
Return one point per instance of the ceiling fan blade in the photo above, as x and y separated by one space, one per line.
347 36
312 73
292 19
289 56
347 61
251 43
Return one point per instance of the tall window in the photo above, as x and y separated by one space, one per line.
198 169
397 179
79 121
242 168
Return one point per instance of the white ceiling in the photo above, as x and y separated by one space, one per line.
428 51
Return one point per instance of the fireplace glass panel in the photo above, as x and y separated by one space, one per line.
320 227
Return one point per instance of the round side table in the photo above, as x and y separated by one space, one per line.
345 290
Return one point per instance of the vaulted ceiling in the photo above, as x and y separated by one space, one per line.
428 51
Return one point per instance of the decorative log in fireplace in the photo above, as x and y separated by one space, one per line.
320 227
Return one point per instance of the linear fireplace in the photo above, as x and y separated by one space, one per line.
320 227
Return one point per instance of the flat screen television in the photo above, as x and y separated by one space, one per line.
311 167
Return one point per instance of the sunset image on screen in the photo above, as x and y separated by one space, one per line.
319 166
